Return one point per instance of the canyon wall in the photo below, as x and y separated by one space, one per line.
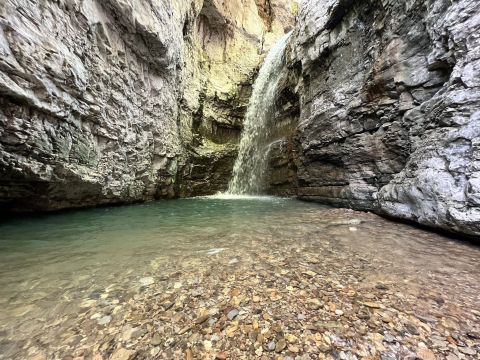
117 101
390 109
226 42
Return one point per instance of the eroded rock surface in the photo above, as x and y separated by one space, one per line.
121 100
225 48
88 93
390 108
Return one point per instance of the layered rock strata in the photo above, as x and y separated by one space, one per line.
88 93
390 109
120 100
225 48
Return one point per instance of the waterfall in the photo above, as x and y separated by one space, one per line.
250 165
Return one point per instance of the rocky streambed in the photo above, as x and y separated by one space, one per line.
263 278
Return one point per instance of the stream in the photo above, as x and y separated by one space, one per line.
161 279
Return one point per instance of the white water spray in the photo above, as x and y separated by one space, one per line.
250 165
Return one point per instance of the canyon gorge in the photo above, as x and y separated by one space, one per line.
118 101
239 179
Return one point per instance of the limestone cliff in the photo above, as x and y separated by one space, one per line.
226 42
115 100
88 93
390 109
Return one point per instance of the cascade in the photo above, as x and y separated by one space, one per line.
250 165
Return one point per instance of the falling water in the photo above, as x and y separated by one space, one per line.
249 168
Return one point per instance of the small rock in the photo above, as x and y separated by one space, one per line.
371 305
156 340
294 349
388 356
270 346
202 319
389 338
147 281
122 354
221 356
292 339
412 329
381 287
232 314
452 357
280 345
184 330
332 307
207 345
426 318
467 350
104 320
425 354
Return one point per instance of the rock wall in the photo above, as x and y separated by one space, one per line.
390 108
88 93
226 43
124 100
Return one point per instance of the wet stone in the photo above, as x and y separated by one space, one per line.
467 351
156 340
270 346
232 314
280 345
146 281
104 320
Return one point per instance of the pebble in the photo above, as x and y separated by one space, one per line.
452 357
147 281
202 319
280 345
389 338
122 354
207 345
293 349
425 354
232 314
104 320
156 340
271 346
371 305
467 351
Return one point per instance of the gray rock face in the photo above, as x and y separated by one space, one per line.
390 108
225 48
88 93
110 101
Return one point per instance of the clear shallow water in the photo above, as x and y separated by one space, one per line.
55 267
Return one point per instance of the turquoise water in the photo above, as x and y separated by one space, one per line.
53 266
69 255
